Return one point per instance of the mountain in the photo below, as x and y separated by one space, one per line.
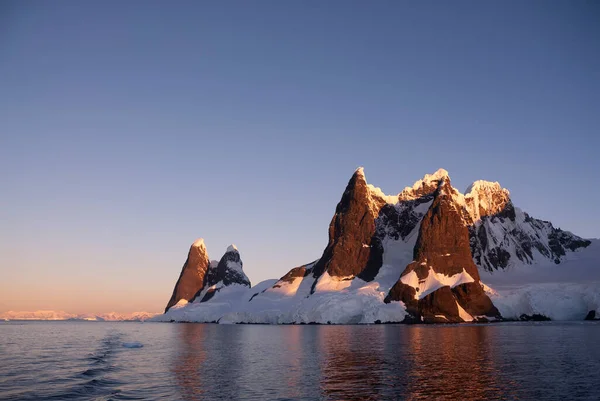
442 283
192 277
418 256
62 315
227 273
200 279
504 236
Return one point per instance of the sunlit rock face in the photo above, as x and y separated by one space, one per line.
439 283
192 276
351 231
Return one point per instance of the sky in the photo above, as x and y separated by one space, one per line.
129 129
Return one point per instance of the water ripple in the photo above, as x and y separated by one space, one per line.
86 361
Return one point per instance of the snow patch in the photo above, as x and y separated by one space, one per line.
376 191
434 281
199 243
427 181
329 283
182 302
464 315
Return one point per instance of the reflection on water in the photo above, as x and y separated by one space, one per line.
189 357
376 362
352 366
462 367
85 361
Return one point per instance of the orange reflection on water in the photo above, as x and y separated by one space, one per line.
352 362
451 363
187 364
294 360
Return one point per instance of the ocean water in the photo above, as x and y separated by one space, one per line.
152 361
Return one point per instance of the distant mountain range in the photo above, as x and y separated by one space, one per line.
418 256
61 315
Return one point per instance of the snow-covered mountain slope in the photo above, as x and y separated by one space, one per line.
421 254
291 300
503 236
581 266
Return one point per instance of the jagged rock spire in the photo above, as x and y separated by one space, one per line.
191 279
351 230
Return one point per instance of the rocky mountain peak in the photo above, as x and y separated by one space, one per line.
192 276
199 243
425 247
443 237
442 283
351 230
485 198
425 186
229 270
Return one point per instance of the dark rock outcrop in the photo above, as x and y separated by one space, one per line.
229 270
405 293
192 277
536 317
439 307
472 298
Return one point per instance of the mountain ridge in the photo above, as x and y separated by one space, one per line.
414 256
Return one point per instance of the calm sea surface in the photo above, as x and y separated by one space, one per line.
88 360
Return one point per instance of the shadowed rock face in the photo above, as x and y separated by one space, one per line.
351 231
439 307
229 270
191 279
474 300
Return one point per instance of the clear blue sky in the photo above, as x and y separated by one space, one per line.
129 129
